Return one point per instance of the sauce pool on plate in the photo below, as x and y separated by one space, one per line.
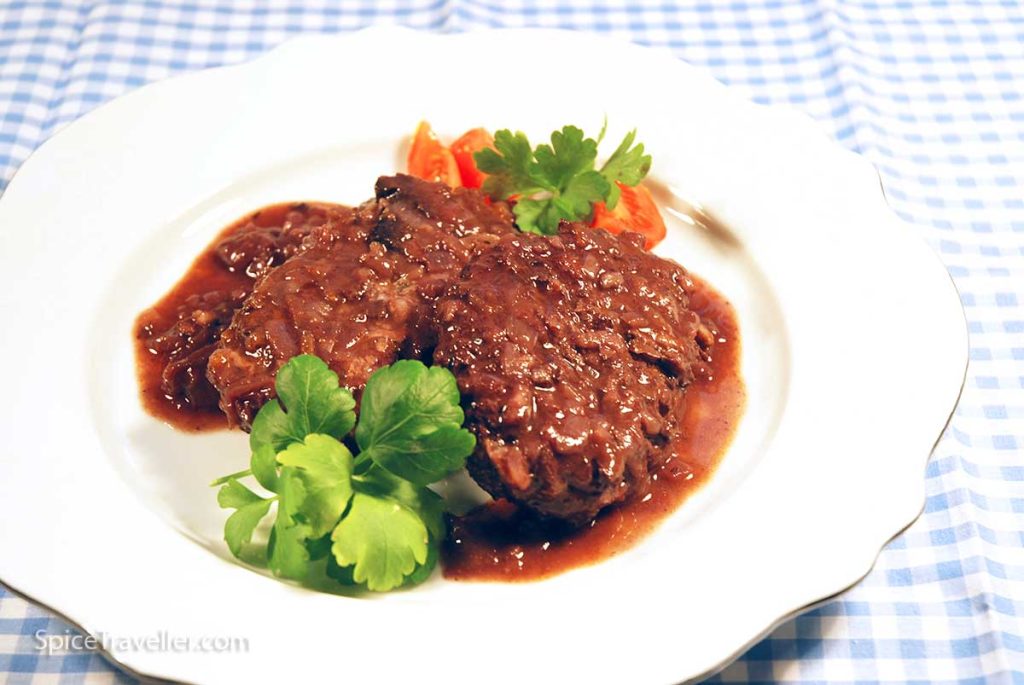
174 337
498 542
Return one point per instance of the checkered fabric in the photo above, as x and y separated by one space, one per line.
930 92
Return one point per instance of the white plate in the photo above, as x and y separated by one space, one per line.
854 349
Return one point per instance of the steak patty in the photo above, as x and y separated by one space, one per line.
184 338
359 293
267 239
572 353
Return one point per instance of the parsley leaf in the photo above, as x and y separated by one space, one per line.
345 574
410 422
263 464
287 555
510 166
234 495
313 403
570 153
371 516
427 504
325 469
558 181
250 509
341 574
423 571
582 191
383 541
627 165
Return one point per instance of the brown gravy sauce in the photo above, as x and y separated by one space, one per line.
206 274
497 542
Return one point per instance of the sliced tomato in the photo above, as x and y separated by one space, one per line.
429 159
464 148
635 212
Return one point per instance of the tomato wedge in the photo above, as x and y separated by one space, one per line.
464 148
430 160
635 212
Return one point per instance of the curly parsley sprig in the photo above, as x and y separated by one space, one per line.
370 514
559 181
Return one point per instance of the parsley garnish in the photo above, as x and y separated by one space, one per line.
559 181
371 515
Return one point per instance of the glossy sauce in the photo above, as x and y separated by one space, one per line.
209 273
497 542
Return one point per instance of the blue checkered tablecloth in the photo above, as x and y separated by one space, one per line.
931 92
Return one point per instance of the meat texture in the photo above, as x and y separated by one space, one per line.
185 337
360 292
269 237
185 344
573 353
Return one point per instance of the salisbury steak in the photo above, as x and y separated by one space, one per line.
271 236
432 231
182 330
573 353
360 292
